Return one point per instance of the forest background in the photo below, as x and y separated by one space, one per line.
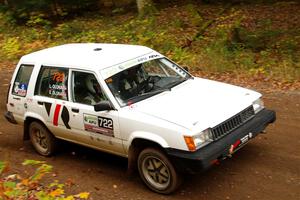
252 40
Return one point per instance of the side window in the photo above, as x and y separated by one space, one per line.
53 82
22 79
86 89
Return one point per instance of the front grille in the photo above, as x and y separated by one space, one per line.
234 122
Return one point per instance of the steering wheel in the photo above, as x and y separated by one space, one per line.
153 79
149 83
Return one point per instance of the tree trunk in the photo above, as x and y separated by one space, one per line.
145 7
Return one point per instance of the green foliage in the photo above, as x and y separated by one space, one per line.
17 187
11 48
265 50
146 8
20 11
195 17
33 162
178 23
227 42
66 30
38 20
39 12
3 166
257 40
182 56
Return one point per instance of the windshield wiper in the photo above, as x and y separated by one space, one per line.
173 84
147 94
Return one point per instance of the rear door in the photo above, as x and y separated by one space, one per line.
50 98
17 103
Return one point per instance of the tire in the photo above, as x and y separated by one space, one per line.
157 172
42 139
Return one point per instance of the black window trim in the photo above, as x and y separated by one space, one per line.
12 86
37 85
71 85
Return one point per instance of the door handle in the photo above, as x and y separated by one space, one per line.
16 98
75 110
40 103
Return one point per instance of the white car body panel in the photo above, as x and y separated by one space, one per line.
71 55
139 125
197 96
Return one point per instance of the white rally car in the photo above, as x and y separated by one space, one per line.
134 102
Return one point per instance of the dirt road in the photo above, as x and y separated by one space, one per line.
266 168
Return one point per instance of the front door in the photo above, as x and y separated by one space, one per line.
98 129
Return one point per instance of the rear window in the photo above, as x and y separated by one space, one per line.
53 83
22 79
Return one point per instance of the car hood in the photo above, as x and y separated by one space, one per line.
197 104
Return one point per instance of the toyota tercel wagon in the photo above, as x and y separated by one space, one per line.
133 102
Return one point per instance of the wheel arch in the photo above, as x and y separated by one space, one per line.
151 137
138 143
28 119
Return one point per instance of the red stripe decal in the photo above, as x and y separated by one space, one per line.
56 113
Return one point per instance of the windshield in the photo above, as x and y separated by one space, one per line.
145 80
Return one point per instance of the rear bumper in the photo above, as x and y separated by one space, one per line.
10 117
192 162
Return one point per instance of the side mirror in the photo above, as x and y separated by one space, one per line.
102 106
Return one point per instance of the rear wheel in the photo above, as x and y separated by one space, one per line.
42 139
157 171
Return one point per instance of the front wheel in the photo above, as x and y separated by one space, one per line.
42 140
157 171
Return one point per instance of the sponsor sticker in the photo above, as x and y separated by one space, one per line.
57 86
239 143
110 71
98 124
20 89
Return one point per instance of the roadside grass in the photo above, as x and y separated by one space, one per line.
239 41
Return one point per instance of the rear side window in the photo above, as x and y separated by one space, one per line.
52 82
22 79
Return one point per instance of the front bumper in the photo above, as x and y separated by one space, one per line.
203 158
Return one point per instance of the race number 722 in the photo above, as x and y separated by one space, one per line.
105 122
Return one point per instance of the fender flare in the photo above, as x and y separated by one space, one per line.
147 136
26 124
133 152
35 116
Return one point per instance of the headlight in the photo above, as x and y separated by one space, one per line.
195 142
258 105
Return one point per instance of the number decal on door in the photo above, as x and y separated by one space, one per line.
105 122
98 124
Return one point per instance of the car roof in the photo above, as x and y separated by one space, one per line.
93 56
